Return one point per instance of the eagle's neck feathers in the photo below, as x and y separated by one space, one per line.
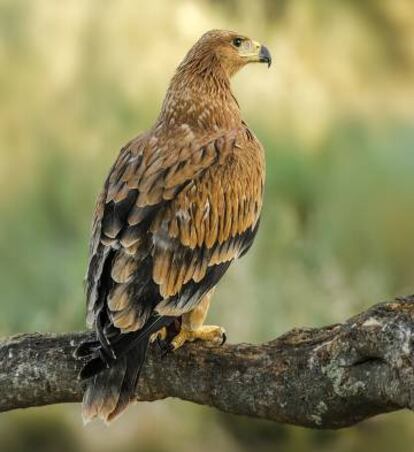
200 96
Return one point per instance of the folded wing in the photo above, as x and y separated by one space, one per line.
175 211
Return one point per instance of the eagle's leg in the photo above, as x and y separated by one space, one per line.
192 327
159 335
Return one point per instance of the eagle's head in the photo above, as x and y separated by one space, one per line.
228 49
199 94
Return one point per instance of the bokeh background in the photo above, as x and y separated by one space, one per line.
336 114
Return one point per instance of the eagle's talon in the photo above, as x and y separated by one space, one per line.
207 333
164 347
159 335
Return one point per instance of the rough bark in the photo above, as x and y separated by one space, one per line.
330 377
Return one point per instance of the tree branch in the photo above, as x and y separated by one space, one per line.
323 378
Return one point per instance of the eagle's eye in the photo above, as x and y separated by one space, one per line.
237 42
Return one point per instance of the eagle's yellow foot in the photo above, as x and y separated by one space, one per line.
160 335
209 333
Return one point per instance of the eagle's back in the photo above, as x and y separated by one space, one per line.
174 213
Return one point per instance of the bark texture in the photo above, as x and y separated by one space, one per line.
330 377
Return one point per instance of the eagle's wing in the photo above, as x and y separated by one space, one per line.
175 211
211 222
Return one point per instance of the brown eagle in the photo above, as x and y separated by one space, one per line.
180 204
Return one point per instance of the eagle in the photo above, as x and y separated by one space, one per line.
181 202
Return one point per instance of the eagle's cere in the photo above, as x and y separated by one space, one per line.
181 202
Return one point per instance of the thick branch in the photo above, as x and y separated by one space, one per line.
326 378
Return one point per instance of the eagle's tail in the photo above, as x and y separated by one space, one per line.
110 391
111 380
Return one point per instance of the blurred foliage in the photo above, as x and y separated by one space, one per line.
45 432
336 115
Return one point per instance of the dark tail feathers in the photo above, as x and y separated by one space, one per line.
112 380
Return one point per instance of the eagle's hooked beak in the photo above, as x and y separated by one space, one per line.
260 54
254 52
265 56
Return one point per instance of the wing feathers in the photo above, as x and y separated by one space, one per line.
174 210
124 267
